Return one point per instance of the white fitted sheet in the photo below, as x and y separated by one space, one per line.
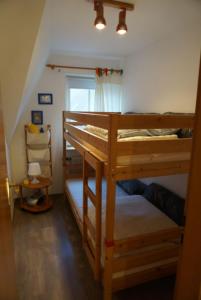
134 215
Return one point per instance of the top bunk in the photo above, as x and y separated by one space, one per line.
132 145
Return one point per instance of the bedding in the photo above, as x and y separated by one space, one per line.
132 187
75 188
134 214
168 202
133 134
146 138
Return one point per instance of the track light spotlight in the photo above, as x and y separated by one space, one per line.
122 27
99 22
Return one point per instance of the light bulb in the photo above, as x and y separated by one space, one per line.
122 31
100 26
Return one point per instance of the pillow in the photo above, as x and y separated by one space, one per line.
132 187
168 202
185 133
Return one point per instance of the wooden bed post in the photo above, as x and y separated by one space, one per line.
110 208
64 151
188 284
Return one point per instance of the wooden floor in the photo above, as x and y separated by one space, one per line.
51 264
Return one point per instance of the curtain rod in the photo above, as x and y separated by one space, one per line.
51 66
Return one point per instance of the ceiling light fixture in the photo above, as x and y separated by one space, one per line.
122 27
99 22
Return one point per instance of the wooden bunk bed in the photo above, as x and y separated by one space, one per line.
115 160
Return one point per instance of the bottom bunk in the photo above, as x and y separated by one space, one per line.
146 241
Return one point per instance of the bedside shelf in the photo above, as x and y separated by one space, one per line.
46 204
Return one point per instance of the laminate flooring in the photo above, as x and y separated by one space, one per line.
51 264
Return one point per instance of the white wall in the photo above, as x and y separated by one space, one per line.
163 77
51 81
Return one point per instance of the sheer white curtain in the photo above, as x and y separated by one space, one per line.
108 94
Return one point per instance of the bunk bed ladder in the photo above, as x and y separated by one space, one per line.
92 233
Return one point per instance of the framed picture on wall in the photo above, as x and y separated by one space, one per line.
37 117
45 98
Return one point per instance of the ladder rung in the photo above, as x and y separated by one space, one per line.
90 245
90 194
90 257
90 227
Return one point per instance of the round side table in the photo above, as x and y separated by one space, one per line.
44 184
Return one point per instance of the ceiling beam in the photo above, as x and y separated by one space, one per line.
117 4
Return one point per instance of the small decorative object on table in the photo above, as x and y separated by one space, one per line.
35 198
38 202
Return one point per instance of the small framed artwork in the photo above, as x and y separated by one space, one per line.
37 117
45 98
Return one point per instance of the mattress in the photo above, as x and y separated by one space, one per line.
134 215
75 188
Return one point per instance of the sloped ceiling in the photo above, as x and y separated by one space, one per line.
19 26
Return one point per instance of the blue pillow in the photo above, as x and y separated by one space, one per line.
132 187
168 202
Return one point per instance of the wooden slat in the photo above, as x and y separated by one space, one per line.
155 121
102 157
90 257
157 146
110 208
90 245
90 227
149 239
128 262
85 201
98 219
74 210
118 5
91 195
99 120
8 287
151 170
143 276
88 137
74 143
92 161
188 285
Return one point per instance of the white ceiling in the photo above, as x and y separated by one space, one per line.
72 29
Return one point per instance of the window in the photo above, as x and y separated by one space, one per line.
81 93
82 99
